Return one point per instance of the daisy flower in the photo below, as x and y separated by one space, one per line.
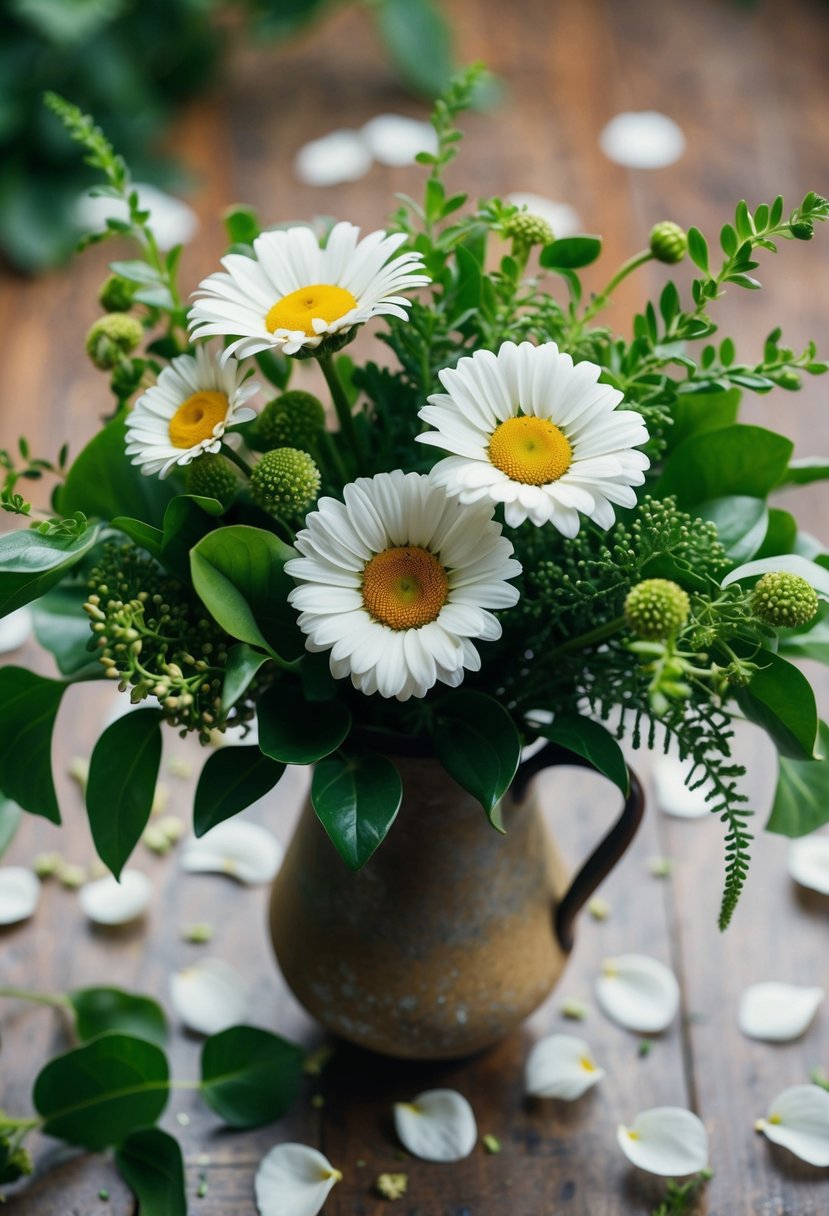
293 294
397 580
187 411
530 429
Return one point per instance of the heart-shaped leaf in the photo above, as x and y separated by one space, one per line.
121 787
478 744
356 796
249 1076
295 731
232 778
151 1164
28 707
594 743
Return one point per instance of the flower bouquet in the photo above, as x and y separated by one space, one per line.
522 529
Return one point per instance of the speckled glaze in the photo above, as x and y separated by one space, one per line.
442 943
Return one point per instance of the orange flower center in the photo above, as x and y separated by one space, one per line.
196 418
404 587
299 309
530 450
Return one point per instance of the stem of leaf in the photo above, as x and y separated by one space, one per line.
236 459
599 634
58 1000
341 404
603 298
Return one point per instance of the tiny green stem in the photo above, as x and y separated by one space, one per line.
333 457
341 405
57 1000
236 459
599 634
603 298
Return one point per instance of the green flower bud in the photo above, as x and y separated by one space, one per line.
784 600
668 242
803 230
112 337
212 477
528 229
116 294
656 608
285 479
293 420
126 377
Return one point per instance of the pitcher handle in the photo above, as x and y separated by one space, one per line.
606 853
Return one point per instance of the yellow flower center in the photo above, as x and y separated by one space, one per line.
196 418
320 301
530 450
405 587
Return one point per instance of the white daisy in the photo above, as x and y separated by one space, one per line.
530 429
187 411
397 580
293 293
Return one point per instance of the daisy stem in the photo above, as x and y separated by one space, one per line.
341 404
603 298
591 637
56 999
237 459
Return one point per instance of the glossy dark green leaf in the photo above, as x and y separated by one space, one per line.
10 818
120 790
145 535
249 1076
801 799
98 1093
62 627
419 39
780 699
151 1164
30 564
571 252
695 413
594 743
243 662
781 534
808 641
104 484
99 1010
356 796
28 707
743 460
295 731
187 519
232 778
478 744
741 523
698 249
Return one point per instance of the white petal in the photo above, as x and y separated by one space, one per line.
243 850
562 218
19 893
342 156
643 139
110 902
438 1125
672 794
798 1119
777 1012
667 1140
15 629
638 992
393 139
809 862
294 1180
560 1066
209 996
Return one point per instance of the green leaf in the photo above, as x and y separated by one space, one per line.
742 460
698 249
98 1010
791 563
592 741
780 699
151 1164
571 252
741 523
232 778
238 574
104 484
249 1076
136 271
419 39
356 796
28 707
121 786
803 472
478 744
145 535
801 800
10 819
781 534
243 662
62 627
187 519
98 1093
31 563
468 289
241 224
808 641
294 731
695 413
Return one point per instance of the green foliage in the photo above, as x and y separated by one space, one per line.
571 253
356 795
295 731
151 1164
780 699
98 1010
478 745
680 1197
594 743
801 799
103 484
249 1076
31 563
232 779
419 40
121 787
742 460
28 708
62 627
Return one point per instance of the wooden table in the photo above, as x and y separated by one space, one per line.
748 86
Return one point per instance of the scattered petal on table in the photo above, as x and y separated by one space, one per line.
209 996
243 850
19 893
777 1012
798 1119
173 222
438 1125
294 1180
667 1140
809 862
672 794
15 629
110 902
561 1066
339 157
394 139
562 218
638 992
643 139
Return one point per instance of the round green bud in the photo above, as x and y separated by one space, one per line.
116 294
285 479
112 337
126 377
528 229
784 600
293 420
803 230
668 242
656 608
212 476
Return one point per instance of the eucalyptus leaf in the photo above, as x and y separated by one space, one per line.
249 1076
295 731
150 1162
232 779
99 1010
28 707
120 790
31 563
801 799
743 460
62 627
571 252
11 816
594 743
780 699
104 484
356 796
478 744
741 522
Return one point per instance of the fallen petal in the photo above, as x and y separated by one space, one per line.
809 862
438 1125
15 629
243 850
19 894
110 902
798 1119
342 156
394 139
638 992
209 996
294 1180
562 218
561 1066
777 1012
666 1140
643 139
672 794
